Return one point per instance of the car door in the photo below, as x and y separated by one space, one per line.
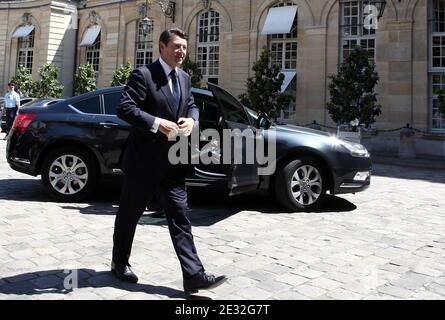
241 176
111 131
208 170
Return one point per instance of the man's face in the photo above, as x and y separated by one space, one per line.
10 87
174 52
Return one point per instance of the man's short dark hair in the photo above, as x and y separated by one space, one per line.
166 35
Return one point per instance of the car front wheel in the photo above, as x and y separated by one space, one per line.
301 184
69 174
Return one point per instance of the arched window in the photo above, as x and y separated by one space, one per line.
25 51
354 32
207 51
283 48
437 62
93 53
144 45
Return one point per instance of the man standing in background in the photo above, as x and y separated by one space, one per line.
12 104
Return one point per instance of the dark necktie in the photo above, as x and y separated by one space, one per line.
176 91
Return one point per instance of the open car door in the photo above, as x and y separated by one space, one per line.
241 172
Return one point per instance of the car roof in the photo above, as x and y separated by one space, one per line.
122 88
202 91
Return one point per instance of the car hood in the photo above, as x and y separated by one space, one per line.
290 128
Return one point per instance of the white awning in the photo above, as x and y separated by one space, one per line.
23 31
90 36
279 20
288 77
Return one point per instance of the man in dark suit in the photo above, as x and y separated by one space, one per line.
158 103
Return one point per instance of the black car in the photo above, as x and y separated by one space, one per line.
23 101
75 142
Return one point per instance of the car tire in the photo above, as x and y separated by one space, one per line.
301 184
70 174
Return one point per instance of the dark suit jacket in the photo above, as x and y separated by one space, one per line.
146 96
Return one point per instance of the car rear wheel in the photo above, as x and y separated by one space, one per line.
301 184
69 174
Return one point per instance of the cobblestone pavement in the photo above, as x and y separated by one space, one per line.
385 243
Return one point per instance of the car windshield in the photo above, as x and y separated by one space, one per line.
254 115
251 113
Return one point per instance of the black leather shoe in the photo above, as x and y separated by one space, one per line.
202 281
124 272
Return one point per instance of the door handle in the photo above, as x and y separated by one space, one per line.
108 124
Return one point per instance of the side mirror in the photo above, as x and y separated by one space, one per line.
263 121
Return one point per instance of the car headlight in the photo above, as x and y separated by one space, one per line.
355 149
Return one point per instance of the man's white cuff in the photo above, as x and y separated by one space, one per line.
155 126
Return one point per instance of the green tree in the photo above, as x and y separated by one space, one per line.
264 89
122 74
353 98
24 82
48 86
84 79
441 102
192 69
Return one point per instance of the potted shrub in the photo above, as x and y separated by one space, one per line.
353 104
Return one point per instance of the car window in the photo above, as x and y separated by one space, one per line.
111 101
233 110
25 100
208 111
36 103
91 105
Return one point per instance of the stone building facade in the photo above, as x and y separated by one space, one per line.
227 36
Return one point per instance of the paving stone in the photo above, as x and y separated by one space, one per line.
292 279
397 292
239 244
428 271
23 254
17 288
412 281
45 282
290 295
310 291
436 288
82 294
307 272
260 275
342 294
427 295
340 276
45 261
325 283
273 286
254 293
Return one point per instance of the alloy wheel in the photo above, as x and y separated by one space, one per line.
68 174
306 185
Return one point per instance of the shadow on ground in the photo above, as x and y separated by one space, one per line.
64 282
207 207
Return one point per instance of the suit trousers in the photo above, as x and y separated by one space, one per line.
137 191
10 117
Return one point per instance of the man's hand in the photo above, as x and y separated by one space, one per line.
170 129
186 126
